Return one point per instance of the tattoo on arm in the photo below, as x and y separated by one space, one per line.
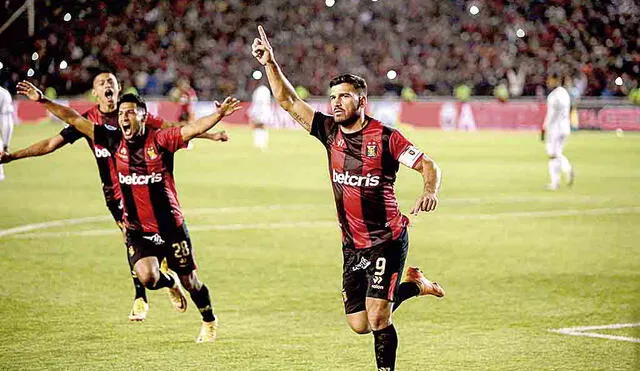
300 120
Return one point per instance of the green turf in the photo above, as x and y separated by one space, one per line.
510 273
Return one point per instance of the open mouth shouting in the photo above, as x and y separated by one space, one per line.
108 94
126 129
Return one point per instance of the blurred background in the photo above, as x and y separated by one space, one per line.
427 48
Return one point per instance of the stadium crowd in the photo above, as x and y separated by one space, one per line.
433 45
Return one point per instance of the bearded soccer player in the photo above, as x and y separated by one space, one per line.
106 90
364 157
154 224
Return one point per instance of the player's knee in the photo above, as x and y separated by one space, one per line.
360 327
378 322
149 279
191 282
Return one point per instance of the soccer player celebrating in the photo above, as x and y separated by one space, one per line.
154 223
106 90
364 157
555 130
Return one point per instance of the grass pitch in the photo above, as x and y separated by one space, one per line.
515 260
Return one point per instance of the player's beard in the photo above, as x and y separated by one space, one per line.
350 120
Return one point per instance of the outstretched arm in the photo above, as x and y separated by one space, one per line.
218 136
64 113
40 148
282 89
201 125
432 177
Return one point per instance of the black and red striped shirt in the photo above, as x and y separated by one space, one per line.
104 159
145 174
363 167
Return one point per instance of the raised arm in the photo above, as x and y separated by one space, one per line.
201 125
40 148
432 177
218 136
64 113
282 89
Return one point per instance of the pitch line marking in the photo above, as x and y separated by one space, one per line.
586 331
106 218
473 200
15 232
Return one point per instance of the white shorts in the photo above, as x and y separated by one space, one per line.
555 144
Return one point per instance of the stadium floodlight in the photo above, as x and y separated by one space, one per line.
520 32
35 56
67 17
257 75
392 74
31 72
619 81
64 65
1 65
330 3
474 10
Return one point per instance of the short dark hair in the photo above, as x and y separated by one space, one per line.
97 71
356 81
132 98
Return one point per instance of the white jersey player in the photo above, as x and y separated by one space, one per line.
260 114
6 123
556 129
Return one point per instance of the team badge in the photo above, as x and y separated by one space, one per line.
131 251
372 149
151 153
123 152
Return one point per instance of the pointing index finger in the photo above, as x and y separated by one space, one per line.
263 36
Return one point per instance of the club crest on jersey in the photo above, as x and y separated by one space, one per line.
372 149
122 152
151 153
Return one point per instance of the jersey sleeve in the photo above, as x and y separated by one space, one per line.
170 139
106 138
321 126
70 134
403 150
154 121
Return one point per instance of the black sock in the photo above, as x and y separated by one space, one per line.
405 291
141 292
386 344
203 302
164 281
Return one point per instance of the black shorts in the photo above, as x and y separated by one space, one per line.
373 272
175 246
115 207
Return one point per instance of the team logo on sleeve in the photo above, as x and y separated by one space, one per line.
151 153
372 149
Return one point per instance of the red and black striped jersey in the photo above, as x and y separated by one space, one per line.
363 167
104 160
144 169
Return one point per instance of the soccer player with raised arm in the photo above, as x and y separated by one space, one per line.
154 224
364 157
106 90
